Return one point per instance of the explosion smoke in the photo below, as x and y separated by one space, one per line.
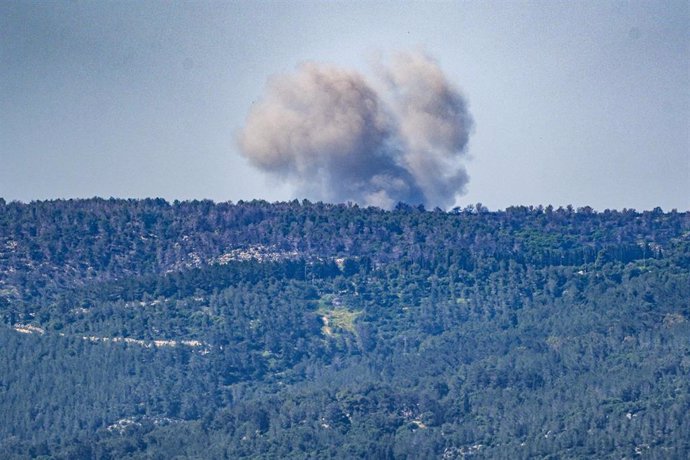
336 138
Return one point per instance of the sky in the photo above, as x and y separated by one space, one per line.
584 103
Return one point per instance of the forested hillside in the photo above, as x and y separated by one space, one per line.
147 329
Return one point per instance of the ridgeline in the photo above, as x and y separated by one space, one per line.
148 329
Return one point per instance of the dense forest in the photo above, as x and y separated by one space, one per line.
148 329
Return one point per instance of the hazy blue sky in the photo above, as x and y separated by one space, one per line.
583 103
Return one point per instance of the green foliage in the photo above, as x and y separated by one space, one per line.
141 329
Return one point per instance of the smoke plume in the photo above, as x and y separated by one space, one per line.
338 138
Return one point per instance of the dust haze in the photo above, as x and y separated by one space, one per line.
337 136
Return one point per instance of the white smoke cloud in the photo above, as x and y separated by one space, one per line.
327 131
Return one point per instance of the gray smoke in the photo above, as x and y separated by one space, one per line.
336 138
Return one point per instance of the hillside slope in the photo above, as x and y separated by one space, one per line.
144 329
